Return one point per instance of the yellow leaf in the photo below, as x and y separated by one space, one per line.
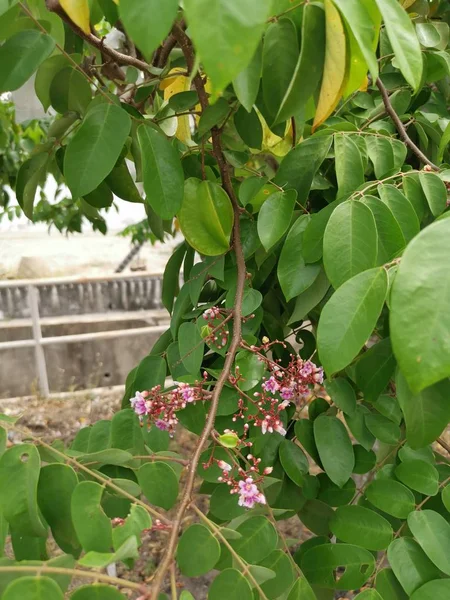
407 3
279 146
357 67
78 12
175 85
116 2
334 73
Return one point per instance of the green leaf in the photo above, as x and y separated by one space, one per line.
30 175
374 370
357 424
388 586
122 184
342 394
364 460
335 448
126 432
19 474
137 520
151 371
111 456
301 590
293 274
212 116
159 484
301 164
381 153
275 217
383 429
433 590
426 413
230 585
316 515
33 588
304 432
356 524
391 240
310 298
198 551
259 539
418 475
435 192
44 76
171 276
349 317
20 56
233 32
97 591
162 171
147 22
358 18
293 461
403 40
250 368
333 495
369 595
410 564
94 149
320 563
349 165
249 127
92 526
70 91
419 336
309 67
432 532
246 83
391 497
100 560
224 505
350 242
445 140
191 347
446 497
59 481
279 563
280 53
206 217
415 194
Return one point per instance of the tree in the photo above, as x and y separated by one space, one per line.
300 148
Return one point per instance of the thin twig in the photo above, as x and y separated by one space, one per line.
117 57
401 128
164 566
42 569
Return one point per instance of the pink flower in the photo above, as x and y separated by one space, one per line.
271 385
270 424
307 369
318 375
187 393
163 425
303 390
211 313
249 494
224 465
138 404
286 393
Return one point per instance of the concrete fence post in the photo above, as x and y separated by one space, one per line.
41 366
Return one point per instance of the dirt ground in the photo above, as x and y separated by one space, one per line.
63 417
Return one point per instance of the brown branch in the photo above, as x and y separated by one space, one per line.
401 128
444 444
117 57
164 566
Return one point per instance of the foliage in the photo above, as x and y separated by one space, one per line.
302 151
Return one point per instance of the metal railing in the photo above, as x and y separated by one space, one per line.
146 291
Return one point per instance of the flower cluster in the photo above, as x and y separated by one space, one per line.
283 386
217 332
160 408
246 483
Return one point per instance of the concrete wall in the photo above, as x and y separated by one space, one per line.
76 365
